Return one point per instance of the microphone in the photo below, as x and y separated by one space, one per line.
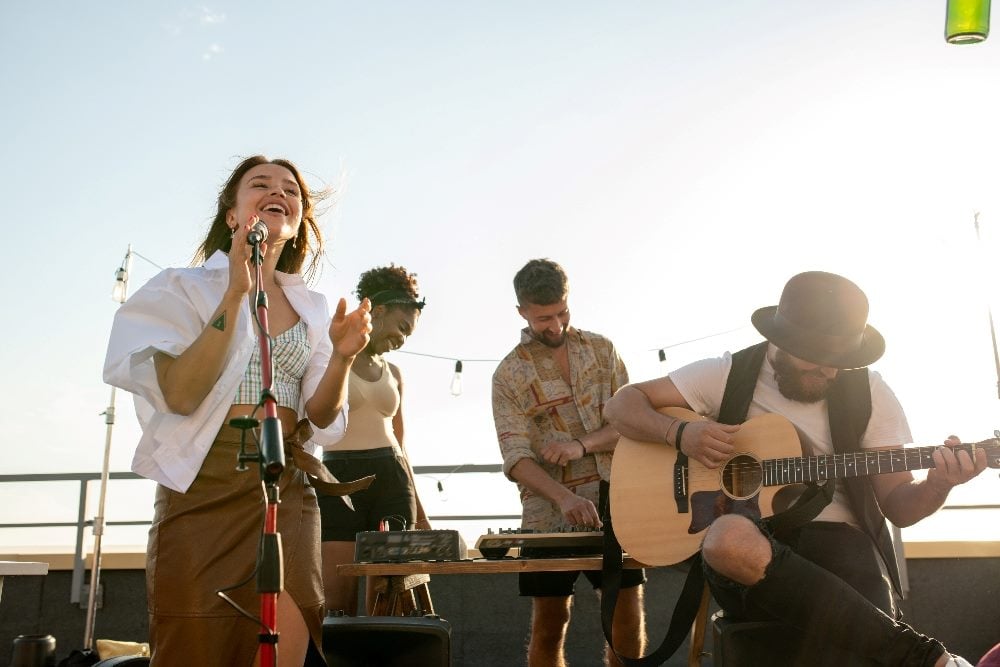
257 234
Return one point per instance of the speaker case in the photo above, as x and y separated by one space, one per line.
387 641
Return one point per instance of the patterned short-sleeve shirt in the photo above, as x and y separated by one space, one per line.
533 404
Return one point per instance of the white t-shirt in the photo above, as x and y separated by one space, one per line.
702 384
166 315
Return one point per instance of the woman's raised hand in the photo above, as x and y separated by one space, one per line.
349 331
240 278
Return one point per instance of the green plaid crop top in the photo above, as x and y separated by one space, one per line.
289 357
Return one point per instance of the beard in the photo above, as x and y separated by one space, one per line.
796 384
545 338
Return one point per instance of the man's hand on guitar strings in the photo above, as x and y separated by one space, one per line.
953 467
708 442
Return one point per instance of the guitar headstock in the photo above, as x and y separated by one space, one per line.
992 447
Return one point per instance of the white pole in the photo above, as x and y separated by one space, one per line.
989 312
109 419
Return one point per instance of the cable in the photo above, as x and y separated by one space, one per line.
437 356
695 340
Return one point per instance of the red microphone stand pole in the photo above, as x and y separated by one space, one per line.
270 572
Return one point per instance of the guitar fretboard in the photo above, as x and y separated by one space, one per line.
857 464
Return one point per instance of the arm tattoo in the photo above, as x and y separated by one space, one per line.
220 322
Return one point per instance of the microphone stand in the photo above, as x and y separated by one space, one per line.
271 456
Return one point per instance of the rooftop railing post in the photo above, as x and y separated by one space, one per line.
95 569
81 522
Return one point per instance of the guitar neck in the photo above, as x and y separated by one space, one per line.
856 464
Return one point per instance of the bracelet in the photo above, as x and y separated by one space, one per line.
666 436
582 446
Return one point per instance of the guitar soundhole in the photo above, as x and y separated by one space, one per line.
742 477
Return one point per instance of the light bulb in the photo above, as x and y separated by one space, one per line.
118 292
456 382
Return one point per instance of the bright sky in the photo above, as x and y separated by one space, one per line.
681 160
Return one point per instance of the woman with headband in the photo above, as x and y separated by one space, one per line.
373 442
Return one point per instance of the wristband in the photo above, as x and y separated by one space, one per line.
677 437
582 446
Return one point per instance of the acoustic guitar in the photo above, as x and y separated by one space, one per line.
661 504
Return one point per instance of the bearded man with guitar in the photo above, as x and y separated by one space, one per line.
825 565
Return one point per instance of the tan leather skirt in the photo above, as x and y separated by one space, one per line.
207 540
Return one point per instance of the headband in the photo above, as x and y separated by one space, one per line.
395 297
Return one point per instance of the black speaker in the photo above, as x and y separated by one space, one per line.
737 643
387 641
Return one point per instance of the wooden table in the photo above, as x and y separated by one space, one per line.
389 581
477 566
14 567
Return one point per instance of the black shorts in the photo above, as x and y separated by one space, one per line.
390 497
562 584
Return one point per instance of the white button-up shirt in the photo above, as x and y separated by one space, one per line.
166 315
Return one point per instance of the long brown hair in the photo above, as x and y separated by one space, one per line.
308 248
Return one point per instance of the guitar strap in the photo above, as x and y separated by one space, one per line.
684 611
850 406
741 383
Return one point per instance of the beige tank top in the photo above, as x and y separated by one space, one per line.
373 405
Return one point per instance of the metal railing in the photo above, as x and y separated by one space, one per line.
82 522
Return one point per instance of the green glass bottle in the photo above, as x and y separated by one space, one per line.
967 22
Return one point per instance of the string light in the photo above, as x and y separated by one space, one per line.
120 291
661 351
439 481
456 382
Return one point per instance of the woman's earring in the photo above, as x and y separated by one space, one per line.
232 232
295 242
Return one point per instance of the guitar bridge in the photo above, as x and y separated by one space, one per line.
681 483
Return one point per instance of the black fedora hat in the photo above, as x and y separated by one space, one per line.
822 318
